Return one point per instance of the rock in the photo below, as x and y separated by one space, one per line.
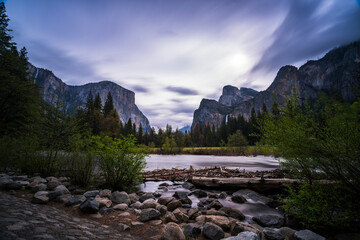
174 204
105 193
64 179
89 206
215 204
193 213
11 185
180 216
62 188
192 230
221 221
236 228
39 187
23 183
165 200
188 185
120 197
288 233
180 194
172 231
51 185
307 235
38 179
233 212
238 199
54 194
78 191
75 200
149 203
157 194
170 217
213 195
136 224
162 209
213 231
121 207
103 201
52 179
124 214
199 193
133 197
123 227
92 193
62 198
146 196
149 214
155 222
215 212
272 234
222 195
206 201
164 184
136 205
40 197
186 201
273 221
244 236
105 210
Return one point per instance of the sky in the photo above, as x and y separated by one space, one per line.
174 53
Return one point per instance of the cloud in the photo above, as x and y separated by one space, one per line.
182 90
139 89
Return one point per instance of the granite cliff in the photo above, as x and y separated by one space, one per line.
124 99
334 74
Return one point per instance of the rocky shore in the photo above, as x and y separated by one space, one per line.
188 213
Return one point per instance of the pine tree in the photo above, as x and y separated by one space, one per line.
109 105
97 102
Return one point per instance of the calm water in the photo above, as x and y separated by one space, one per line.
250 163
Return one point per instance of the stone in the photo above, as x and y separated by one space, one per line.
307 235
186 201
37 179
64 179
91 193
136 224
287 232
199 193
215 204
172 231
213 195
136 205
174 204
106 211
51 185
62 198
193 213
237 227
52 179
273 221
205 202
124 214
222 195
233 212
62 188
164 184
221 221
105 193
78 191
192 230
165 200
40 197
120 197
75 200
149 203
39 187
244 236
214 212
238 199
162 209
170 217
103 201
213 231
133 197
54 194
272 234
11 185
149 214
23 183
146 196
121 207
155 222
123 227
180 216
188 185
89 206
180 194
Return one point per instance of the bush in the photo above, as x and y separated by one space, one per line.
120 162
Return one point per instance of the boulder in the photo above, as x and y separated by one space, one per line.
213 231
162 209
233 212
214 212
120 197
133 197
205 202
221 221
272 234
12 185
307 235
91 193
38 187
244 236
165 200
174 204
238 199
273 221
193 213
103 201
186 201
105 193
213 195
222 195
121 207
188 185
149 203
146 196
192 230
63 198
105 210
64 179
89 206
62 188
170 217
199 193
180 194
38 179
123 227
149 214
215 204
75 200
180 216
54 194
51 185
40 197
172 231
52 179
136 205
164 184
287 232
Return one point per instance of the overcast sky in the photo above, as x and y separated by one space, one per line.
174 53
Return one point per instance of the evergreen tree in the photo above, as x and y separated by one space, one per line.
97 102
140 134
109 104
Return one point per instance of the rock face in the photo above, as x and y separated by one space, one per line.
335 74
124 99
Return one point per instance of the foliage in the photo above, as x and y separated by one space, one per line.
120 161
237 139
170 146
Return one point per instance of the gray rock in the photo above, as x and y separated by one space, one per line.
307 235
238 199
149 214
180 194
233 212
193 213
121 207
11 185
23 183
287 232
244 236
91 193
188 185
214 212
186 201
146 196
222 195
62 188
172 231
38 179
273 221
199 193
272 234
105 193
186 206
120 197
106 211
170 217
180 216
75 200
174 204
164 185
192 230
53 184
213 231
39 187
123 227
136 205
89 206
64 179
213 195
133 197
215 204
205 202
40 197
62 198
165 200
149 203
162 209
54 194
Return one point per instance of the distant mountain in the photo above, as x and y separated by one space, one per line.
185 129
124 99
334 74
